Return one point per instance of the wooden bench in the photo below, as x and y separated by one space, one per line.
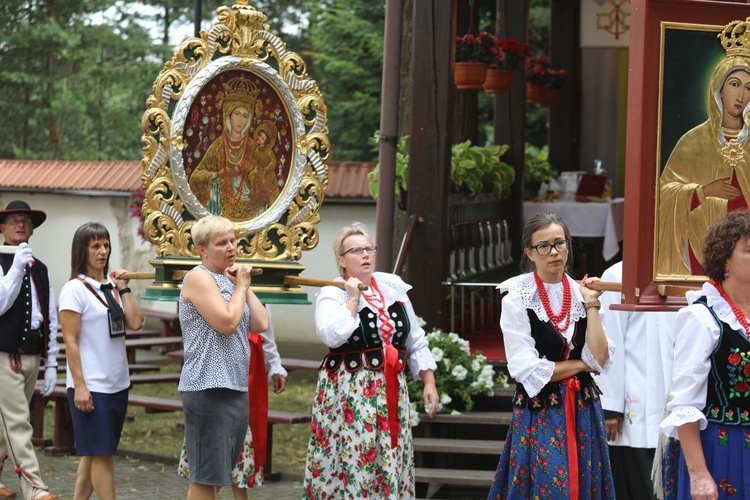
63 441
300 364
155 378
132 367
147 343
289 364
170 321
129 334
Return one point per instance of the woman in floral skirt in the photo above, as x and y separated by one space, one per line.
361 443
556 445
709 404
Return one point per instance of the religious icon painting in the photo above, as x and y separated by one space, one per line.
235 128
702 164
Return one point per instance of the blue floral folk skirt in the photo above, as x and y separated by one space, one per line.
727 452
534 462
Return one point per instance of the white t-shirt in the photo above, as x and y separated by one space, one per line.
103 359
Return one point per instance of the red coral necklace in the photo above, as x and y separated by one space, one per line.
736 310
560 321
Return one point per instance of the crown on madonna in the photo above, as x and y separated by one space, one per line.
241 90
735 38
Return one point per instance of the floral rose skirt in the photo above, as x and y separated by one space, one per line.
244 474
350 454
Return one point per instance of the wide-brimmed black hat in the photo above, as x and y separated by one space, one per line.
21 207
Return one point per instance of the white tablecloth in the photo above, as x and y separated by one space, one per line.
587 220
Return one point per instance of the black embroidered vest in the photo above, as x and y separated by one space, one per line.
553 346
728 397
364 348
15 324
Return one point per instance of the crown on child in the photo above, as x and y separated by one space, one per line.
239 89
735 38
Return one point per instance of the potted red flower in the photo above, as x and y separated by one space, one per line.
537 78
509 55
556 81
473 54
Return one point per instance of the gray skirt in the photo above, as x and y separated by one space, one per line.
215 426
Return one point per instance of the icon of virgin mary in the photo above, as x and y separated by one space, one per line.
707 175
221 181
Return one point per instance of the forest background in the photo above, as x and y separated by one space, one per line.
75 74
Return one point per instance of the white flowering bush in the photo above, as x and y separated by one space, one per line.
460 375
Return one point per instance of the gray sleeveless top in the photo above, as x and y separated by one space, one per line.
212 359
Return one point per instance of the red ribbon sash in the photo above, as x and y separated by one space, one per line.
258 398
573 385
391 391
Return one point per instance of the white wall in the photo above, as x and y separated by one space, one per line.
51 242
293 324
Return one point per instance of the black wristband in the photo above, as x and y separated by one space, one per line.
123 291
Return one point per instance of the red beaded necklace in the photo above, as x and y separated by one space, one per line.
560 321
736 310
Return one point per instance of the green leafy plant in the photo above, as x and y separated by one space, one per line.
460 375
479 169
538 167
474 170
401 181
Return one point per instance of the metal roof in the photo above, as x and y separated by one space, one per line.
346 180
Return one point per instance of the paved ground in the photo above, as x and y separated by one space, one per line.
145 478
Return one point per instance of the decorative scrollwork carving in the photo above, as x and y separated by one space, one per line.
274 176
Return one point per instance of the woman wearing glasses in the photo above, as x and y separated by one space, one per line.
556 445
361 443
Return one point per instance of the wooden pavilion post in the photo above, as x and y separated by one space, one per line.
565 116
510 115
429 166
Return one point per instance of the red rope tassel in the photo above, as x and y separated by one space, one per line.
258 399
391 391
573 385
22 473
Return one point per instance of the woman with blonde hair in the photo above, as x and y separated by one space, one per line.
361 442
217 310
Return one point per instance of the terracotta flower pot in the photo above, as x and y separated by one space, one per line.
498 81
536 93
470 75
551 97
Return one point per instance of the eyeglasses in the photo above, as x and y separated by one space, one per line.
359 250
14 221
545 248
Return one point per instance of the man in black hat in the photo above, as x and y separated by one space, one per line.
28 333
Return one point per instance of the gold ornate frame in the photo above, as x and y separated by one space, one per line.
238 41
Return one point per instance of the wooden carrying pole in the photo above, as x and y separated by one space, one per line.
298 280
288 280
177 274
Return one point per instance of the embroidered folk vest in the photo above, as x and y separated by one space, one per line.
553 346
728 396
15 324
364 348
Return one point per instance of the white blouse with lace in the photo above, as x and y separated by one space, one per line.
696 335
524 363
335 324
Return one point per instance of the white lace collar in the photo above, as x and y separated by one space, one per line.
716 302
524 286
